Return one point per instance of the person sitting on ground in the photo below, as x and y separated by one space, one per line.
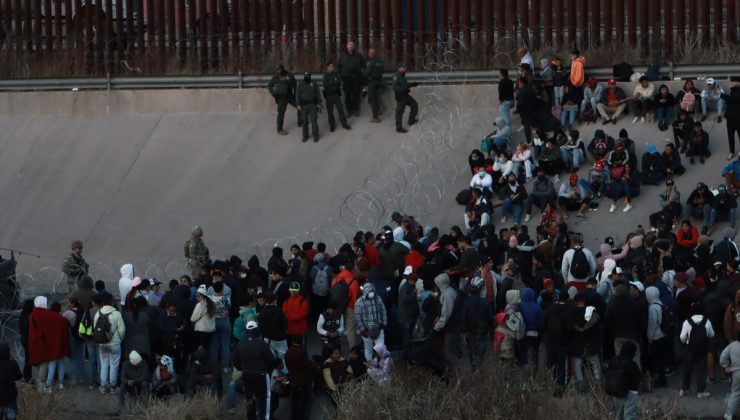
698 143
479 209
699 205
572 152
598 179
523 156
731 173
671 162
513 196
573 196
642 100
134 380
670 205
689 98
379 368
682 128
687 236
475 161
205 374
629 145
500 138
601 145
482 181
653 169
664 104
612 103
164 379
569 107
617 160
549 159
336 371
711 98
724 206
591 96
543 193
627 187
502 168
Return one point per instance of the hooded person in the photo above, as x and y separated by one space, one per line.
253 357
370 318
625 320
448 321
85 292
624 364
134 379
606 253
380 364
658 340
48 342
204 374
164 378
605 286
532 314
124 284
502 136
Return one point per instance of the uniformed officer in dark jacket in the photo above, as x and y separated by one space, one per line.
333 93
308 98
373 72
402 90
282 88
350 67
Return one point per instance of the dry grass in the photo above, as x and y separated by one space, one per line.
494 392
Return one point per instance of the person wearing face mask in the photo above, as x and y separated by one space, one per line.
483 181
308 99
514 197
370 319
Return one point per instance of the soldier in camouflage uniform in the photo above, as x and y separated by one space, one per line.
373 72
196 252
308 98
282 88
332 93
75 267
402 90
349 66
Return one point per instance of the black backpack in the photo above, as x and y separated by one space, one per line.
622 72
340 295
667 319
579 266
103 332
463 197
698 339
614 382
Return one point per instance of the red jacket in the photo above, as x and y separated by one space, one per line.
295 309
414 259
354 286
372 254
683 240
48 336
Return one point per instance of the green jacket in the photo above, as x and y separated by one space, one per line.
401 86
350 65
374 69
282 85
332 84
307 93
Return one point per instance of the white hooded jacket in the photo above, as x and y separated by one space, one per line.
124 284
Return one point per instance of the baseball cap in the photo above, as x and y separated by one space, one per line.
295 287
251 325
638 285
700 185
710 81
722 188
669 182
652 149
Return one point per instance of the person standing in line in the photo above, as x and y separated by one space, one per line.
730 360
350 67
308 98
332 94
373 72
282 88
732 113
402 90
505 95
255 360
75 267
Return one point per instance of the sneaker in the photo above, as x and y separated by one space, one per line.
730 156
682 393
719 119
727 417
374 120
556 179
527 218
61 386
413 122
113 390
704 394
614 120
401 130
103 389
305 139
642 120
613 208
282 132
503 220
634 120
627 208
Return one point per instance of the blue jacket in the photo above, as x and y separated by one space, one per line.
733 166
531 311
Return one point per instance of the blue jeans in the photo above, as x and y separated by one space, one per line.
719 105
558 94
55 366
572 157
505 110
594 103
92 369
731 215
595 371
221 342
664 114
626 408
515 209
110 360
477 347
279 348
234 387
77 348
568 116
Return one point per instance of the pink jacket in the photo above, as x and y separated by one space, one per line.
522 156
